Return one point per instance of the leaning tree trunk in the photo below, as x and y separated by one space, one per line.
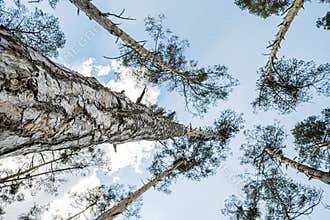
293 11
120 207
102 19
308 171
45 106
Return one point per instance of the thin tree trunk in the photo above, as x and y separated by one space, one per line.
293 11
120 207
45 173
308 171
102 19
28 171
45 106
81 212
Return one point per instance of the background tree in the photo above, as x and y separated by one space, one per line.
166 62
264 8
34 213
312 140
126 202
324 21
46 171
264 151
205 85
36 29
272 196
94 202
294 82
204 154
283 84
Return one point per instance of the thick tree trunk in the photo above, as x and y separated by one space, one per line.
293 11
102 19
120 207
45 106
308 171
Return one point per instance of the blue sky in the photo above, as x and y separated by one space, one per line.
219 33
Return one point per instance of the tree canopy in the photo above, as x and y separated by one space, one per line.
57 124
36 29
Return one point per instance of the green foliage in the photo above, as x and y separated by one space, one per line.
324 22
272 197
264 8
44 176
204 154
271 136
202 87
295 82
34 213
312 139
249 209
36 29
53 3
99 199
269 194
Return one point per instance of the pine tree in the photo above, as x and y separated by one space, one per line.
96 202
272 196
293 82
264 151
49 107
265 8
312 140
166 62
285 83
122 205
46 171
37 29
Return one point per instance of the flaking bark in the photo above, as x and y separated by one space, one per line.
45 106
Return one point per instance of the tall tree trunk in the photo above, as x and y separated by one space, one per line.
120 207
308 171
293 11
102 19
45 106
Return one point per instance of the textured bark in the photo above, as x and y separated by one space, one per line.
102 19
45 106
308 171
293 11
120 207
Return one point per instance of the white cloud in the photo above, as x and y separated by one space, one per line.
85 68
131 85
103 70
129 154
61 205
